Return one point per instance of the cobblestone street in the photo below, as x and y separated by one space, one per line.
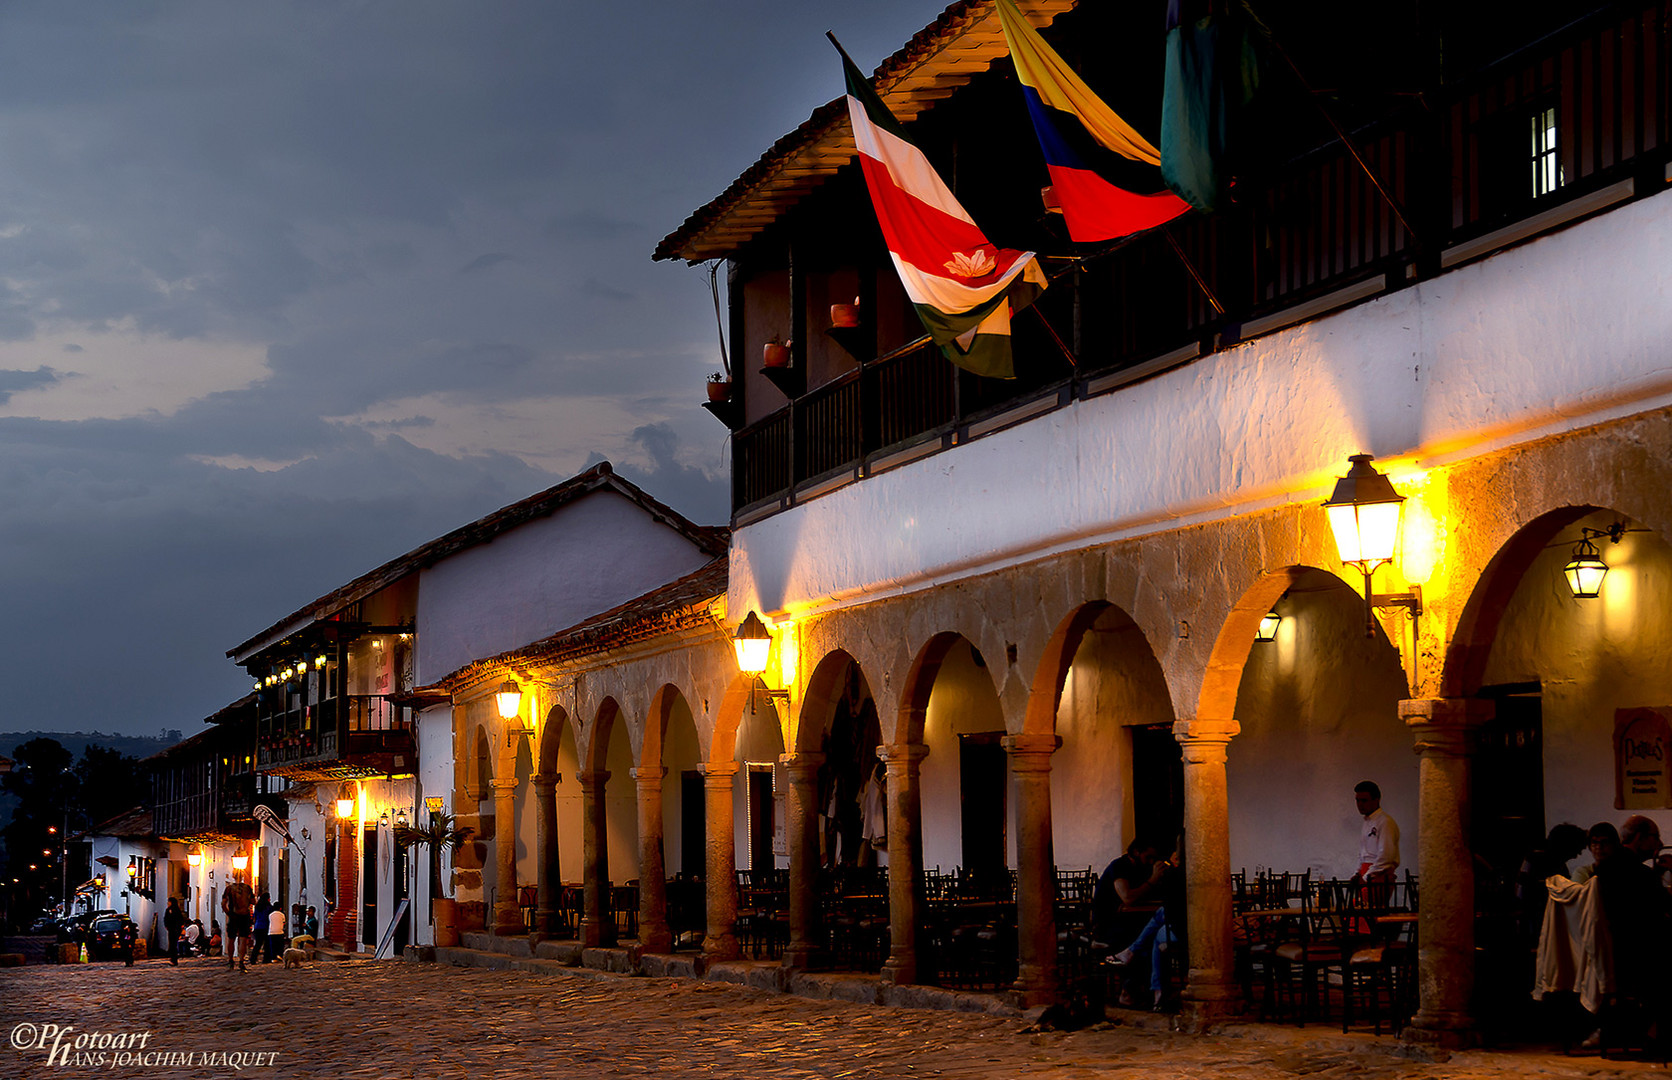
362 1019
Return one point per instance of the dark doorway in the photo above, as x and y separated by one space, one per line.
1508 779
1157 786
760 817
981 773
368 889
693 824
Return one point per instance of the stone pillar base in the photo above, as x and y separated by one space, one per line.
721 947
1033 987
900 972
508 921
653 941
799 957
596 933
1453 1031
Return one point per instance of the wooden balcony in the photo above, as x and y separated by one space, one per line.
348 737
1568 127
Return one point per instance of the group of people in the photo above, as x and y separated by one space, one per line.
1141 879
255 929
1603 931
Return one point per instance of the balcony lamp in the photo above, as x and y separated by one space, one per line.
194 858
753 643
1268 626
383 820
345 809
240 862
433 803
401 818
1364 512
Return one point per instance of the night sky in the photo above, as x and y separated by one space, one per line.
287 289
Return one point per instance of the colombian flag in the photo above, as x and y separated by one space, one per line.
963 287
1086 145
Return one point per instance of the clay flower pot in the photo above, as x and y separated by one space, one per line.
719 389
844 316
775 355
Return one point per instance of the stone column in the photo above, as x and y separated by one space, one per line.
1212 990
1036 877
548 878
721 940
597 921
1442 728
801 807
654 934
507 916
905 860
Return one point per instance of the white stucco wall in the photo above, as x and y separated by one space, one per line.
1545 337
595 553
1592 657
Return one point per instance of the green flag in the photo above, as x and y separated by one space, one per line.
1212 72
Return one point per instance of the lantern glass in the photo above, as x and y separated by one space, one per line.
1268 626
1584 575
753 644
240 863
509 699
194 859
345 808
1365 533
433 803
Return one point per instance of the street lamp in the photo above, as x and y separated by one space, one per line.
1364 512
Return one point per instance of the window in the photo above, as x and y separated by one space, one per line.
1547 173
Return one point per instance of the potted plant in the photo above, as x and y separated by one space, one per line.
776 354
442 832
845 316
719 386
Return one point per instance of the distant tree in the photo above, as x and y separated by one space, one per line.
47 792
111 781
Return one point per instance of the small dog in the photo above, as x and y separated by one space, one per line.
293 957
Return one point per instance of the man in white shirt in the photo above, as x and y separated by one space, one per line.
1378 837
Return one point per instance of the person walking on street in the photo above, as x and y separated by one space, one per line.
174 920
238 902
263 908
275 933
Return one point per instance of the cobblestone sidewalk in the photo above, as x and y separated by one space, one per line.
392 1019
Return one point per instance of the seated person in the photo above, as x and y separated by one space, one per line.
1603 840
309 937
214 938
1150 947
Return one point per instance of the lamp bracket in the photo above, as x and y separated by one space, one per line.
1411 601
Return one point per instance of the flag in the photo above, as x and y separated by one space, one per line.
1103 173
963 287
1212 71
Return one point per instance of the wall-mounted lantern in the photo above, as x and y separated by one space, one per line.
753 644
345 809
1585 571
1364 513
1268 626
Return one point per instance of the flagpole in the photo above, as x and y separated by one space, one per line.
1190 267
1340 133
1052 331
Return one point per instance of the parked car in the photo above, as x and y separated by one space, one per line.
75 927
112 938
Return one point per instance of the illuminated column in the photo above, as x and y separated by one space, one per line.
1212 990
597 922
905 860
1036 879
654 934
548 882
507 917
801 808
721 941
1442 728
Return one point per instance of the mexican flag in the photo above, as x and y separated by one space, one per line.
963 287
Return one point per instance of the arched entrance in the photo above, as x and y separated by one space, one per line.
559 816
671 821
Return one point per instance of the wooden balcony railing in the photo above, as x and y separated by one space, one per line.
1566 127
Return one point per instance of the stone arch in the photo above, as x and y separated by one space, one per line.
1317 711
920 683
479 777
1100 689
1217 699
742 691
1477 626
551 736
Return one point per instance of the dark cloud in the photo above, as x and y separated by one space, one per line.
395 203
483 262
13 381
